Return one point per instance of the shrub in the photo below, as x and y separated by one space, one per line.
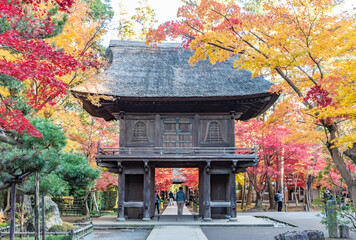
68 226
65 227
108 200
58 228
57 237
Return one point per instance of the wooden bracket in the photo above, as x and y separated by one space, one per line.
235 115
146 167
122 114
119 167
208 166
234 166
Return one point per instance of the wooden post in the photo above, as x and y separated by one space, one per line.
146 192
332 218
232 184
201 192
121 189
37 200
43 219
207 207
13 211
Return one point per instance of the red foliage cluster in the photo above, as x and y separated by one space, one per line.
190 176
13 119
64 5
271 148
163 178
320 97
106 181
37 61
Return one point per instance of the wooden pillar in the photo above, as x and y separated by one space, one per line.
158 135
207 206
146 192
152 191
232 186
195 136
201 192
122 134
121 200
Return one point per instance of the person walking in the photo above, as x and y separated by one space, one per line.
171 199
157 202
279 199
180 198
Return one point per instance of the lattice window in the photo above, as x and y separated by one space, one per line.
140 133
214 133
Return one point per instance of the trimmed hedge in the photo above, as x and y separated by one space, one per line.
108 200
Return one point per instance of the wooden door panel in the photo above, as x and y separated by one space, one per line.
177 135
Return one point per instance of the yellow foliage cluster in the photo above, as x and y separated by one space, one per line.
300 43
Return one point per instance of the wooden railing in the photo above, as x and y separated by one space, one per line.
70 206
83 230
185 150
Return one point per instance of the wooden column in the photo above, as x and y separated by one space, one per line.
207 206
232 186
122 130
201 192
152 190
146 192
121 189
196 123
232 131
158 135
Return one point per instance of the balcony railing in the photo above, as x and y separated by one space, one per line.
124 151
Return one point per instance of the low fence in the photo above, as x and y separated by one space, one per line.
83 230
70 206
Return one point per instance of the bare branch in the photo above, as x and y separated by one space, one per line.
310 78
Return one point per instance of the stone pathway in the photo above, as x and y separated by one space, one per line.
176 232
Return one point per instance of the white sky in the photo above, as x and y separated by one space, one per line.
167 10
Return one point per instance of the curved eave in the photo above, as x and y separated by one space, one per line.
249 105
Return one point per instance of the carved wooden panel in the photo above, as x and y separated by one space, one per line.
214 132
177 134
139 132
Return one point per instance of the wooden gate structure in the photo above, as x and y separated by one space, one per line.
173 115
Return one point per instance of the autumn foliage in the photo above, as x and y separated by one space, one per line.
28 58
163 178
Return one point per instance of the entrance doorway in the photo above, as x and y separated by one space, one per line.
167 183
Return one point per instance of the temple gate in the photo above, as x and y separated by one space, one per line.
173 115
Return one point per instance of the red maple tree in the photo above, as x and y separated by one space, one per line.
28 57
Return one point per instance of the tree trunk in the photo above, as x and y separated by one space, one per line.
13 211
95 202
259 200
351 153
87 211
272 204
8 203
43 218
37 202
309 193
346 174
295 194
22 213
249 195
243 194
